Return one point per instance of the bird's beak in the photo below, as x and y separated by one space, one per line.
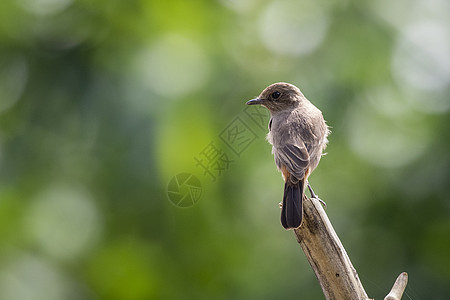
255 101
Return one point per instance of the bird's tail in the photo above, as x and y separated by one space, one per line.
292 210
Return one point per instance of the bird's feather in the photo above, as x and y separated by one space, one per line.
294 158
292 209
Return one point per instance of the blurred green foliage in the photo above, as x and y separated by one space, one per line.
102 103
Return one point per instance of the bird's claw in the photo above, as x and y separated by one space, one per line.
313 195
320 200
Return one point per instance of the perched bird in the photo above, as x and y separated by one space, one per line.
298 134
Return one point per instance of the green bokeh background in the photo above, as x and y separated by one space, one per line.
102 103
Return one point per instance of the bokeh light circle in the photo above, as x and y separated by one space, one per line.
295 28
173 66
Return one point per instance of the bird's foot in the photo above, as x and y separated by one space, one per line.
321 201
280 205
313 195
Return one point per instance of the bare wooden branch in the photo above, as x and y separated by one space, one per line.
328 258
398 288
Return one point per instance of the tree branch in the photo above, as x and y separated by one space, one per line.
398 288
328 258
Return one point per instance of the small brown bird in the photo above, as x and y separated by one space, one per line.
298 134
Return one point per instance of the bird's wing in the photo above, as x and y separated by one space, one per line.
294 158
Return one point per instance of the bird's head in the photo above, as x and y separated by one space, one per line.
278 97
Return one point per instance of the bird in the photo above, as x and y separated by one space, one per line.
298 134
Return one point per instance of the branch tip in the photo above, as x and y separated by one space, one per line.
399 287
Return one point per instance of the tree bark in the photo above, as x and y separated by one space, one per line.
327 256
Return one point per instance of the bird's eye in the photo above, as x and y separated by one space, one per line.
276 95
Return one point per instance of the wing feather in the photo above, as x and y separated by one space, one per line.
294 157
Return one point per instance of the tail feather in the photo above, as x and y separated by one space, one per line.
292 210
